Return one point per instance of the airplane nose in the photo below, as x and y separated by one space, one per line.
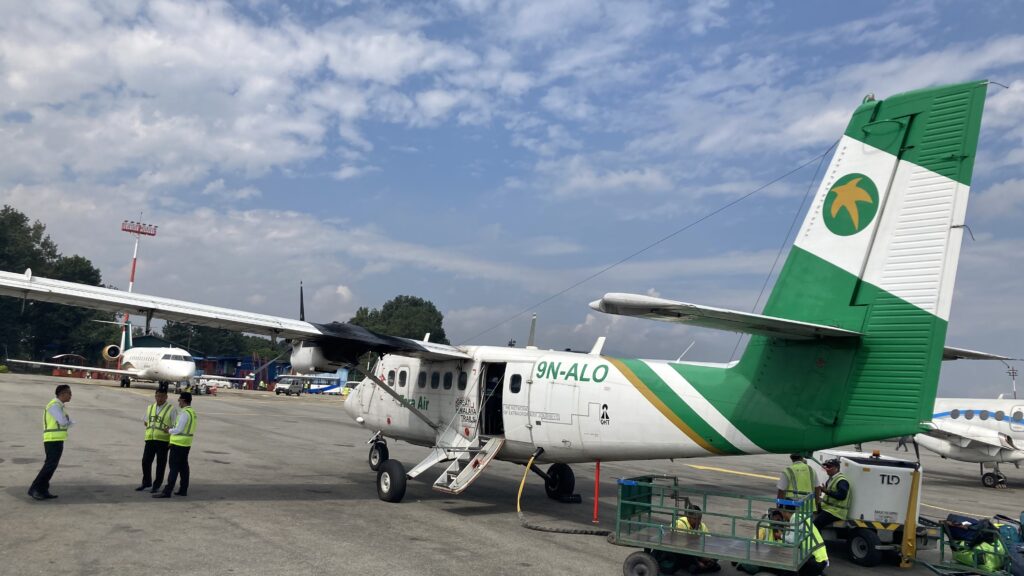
352 404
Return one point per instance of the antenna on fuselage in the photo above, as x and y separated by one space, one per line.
530 342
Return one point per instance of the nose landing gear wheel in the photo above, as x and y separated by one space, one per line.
391 481
378 454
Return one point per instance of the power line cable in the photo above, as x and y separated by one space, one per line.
661 240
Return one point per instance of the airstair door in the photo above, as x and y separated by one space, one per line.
461 473
516 402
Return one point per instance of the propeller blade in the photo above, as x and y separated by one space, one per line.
302 304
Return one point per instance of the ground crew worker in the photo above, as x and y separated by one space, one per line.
159 417
797 480
181 441
55 431
690 521
835 496
818 561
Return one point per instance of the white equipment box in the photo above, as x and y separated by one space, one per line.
882 486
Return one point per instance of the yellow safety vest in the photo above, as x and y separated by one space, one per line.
158 421
52 430
767 534
838 508
817 543
683 523
799 480
185 437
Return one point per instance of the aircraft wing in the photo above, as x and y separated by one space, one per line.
967 435
339 340
643 306
950 353
308 377
73 367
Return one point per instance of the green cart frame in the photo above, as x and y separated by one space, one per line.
948 566
648 507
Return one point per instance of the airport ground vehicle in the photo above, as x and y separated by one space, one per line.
288 387
649 506
884 508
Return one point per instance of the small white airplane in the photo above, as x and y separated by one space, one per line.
989 432
147 364
847 348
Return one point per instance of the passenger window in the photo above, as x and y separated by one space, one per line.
463 378
515 384
1000 415
969 414
422 381
391 378
402 377
435 380
954 414
983 415
1018 416
448 376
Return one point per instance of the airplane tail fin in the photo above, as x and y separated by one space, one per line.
877 254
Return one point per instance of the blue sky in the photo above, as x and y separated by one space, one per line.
486 154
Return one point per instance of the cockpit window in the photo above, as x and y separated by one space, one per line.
187 359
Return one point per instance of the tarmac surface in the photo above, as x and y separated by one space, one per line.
281 486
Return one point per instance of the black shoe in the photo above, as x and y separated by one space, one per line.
141 488
181 493
161 495
36 495
155 490
49 496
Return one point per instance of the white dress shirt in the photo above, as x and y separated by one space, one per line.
58 413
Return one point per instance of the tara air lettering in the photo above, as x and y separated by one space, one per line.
977 430
864 295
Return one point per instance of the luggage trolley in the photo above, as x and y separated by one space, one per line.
650 506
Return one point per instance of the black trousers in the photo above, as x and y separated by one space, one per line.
154 449
53 452
179 465
823 519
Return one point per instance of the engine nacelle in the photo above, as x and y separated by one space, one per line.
307 357
112 352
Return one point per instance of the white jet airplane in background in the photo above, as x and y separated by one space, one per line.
148 364
847 348
989 432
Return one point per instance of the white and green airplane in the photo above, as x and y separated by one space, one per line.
847 349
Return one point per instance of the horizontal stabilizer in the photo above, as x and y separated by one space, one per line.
950 353
643 306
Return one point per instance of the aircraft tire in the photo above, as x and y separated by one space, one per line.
863 547
563 481
278 392
391 481
640 563
989 480
378 455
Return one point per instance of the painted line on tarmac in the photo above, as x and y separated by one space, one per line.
971 514
728 471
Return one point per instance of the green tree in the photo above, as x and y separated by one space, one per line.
38 329
405 316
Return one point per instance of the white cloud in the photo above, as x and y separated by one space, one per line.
579 179
703 15
1002 200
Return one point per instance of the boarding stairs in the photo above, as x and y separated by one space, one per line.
468 466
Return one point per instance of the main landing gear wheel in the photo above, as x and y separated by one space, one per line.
993 479
391 481
863 546
562 483
378 455
125 382
640 563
